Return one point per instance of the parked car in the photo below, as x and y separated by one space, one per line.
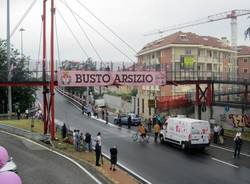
9 166
135 119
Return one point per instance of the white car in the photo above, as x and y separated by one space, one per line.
9 166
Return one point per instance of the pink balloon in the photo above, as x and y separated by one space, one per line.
10 178
4 156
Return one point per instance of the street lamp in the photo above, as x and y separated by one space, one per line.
21 31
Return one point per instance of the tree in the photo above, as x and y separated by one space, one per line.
22 97
247 32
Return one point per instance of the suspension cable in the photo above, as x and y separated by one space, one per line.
105 25
23 17
57 42
101 35
72 33
39 47
84 32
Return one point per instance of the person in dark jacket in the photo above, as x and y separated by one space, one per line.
88 142
113 157
98 148
119 120
64 131
129 122
238 143
221 135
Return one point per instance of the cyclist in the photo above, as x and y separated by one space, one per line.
142 130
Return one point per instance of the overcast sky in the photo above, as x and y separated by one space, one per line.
130 19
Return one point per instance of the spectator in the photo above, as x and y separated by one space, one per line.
221 135
77 140
129 121
98 148
216 133
103 114
74 136
18 114
238 144
88 142
113 158
119 120
27 113
149 125
157 129
107 116
64 131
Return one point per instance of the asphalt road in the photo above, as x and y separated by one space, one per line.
157 163
39 166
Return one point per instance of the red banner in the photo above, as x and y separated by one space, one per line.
106 78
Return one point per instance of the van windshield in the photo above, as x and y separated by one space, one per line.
195 130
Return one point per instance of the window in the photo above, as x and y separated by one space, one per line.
188 52
215 54
209 53
183 37
245 70
209 67
153 56
142 103
245 60
199 52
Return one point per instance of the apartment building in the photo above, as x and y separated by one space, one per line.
243 61
183 54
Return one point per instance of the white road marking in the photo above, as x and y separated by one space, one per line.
215 159
129 170
73 161
226 149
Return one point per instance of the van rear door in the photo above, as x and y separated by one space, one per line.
200 133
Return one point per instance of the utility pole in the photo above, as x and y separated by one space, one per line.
8 59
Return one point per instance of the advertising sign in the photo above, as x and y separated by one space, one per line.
187 61
106 78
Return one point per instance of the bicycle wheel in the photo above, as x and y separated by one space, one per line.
135 137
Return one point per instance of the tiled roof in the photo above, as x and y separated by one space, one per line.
243 50
185 38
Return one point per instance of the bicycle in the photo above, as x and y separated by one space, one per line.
136 136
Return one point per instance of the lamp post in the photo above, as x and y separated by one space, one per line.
21 31
8 59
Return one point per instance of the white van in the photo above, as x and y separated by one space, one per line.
186 132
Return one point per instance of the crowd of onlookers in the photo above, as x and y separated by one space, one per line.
84 142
